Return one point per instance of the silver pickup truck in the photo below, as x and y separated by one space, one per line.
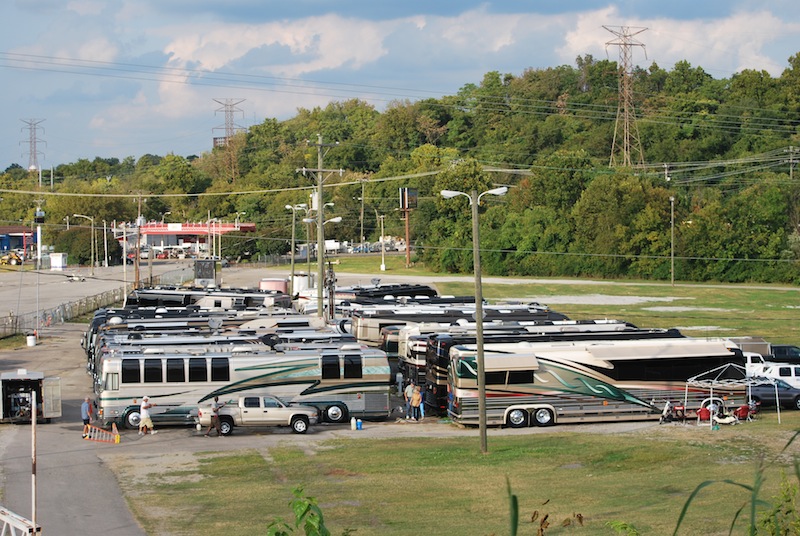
260 410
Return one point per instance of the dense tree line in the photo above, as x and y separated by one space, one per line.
718 171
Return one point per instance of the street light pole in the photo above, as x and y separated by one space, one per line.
291 280
91 240
672 239
105 245
383 242
474 201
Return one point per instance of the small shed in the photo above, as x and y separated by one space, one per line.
58 262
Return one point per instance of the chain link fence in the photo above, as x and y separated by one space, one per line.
28 323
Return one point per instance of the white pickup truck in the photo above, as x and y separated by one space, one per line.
260 410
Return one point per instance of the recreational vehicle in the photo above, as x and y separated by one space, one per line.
546 384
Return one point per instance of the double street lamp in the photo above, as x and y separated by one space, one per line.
474 201
91 241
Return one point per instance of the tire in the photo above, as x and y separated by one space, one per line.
226 425
517 418
796 403
132 420
336 414
14 262
544 417
299 425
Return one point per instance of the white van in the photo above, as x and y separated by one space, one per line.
785 371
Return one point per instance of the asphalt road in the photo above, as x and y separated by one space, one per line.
22 290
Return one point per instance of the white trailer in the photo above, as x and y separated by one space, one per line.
17 390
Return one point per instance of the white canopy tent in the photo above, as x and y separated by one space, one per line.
729 375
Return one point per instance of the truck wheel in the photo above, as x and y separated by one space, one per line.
299 425
226 425
544 417
336 414
132 420
517 418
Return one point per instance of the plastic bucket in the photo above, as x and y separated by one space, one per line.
31 339
359 425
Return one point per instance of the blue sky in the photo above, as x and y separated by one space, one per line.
117 78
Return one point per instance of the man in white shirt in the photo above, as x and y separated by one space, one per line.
146 422
215 405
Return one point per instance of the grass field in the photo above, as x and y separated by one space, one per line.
445 486
435 485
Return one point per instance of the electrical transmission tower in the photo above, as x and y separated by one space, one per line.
626 133
229 106
33 141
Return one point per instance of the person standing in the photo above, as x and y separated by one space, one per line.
144 413
215 406
416 400
407 393
87 414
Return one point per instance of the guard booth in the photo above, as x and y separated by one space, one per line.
17 392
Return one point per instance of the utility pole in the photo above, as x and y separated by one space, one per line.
625 127
363 181
321 175
791 150
137 250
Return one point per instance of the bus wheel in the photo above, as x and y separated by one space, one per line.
132 420
225 425
517 418
335 414
544 417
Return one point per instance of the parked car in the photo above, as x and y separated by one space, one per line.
788 396
784 353
260 410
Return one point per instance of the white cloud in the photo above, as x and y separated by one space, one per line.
86 8
320 43
409 52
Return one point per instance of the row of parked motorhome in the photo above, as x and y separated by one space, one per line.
182 348
546 368
182 356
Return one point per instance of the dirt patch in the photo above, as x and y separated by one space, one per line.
601 299
139 472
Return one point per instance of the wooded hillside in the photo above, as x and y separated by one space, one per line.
723 150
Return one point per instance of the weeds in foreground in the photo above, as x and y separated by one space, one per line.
307 514
777 518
